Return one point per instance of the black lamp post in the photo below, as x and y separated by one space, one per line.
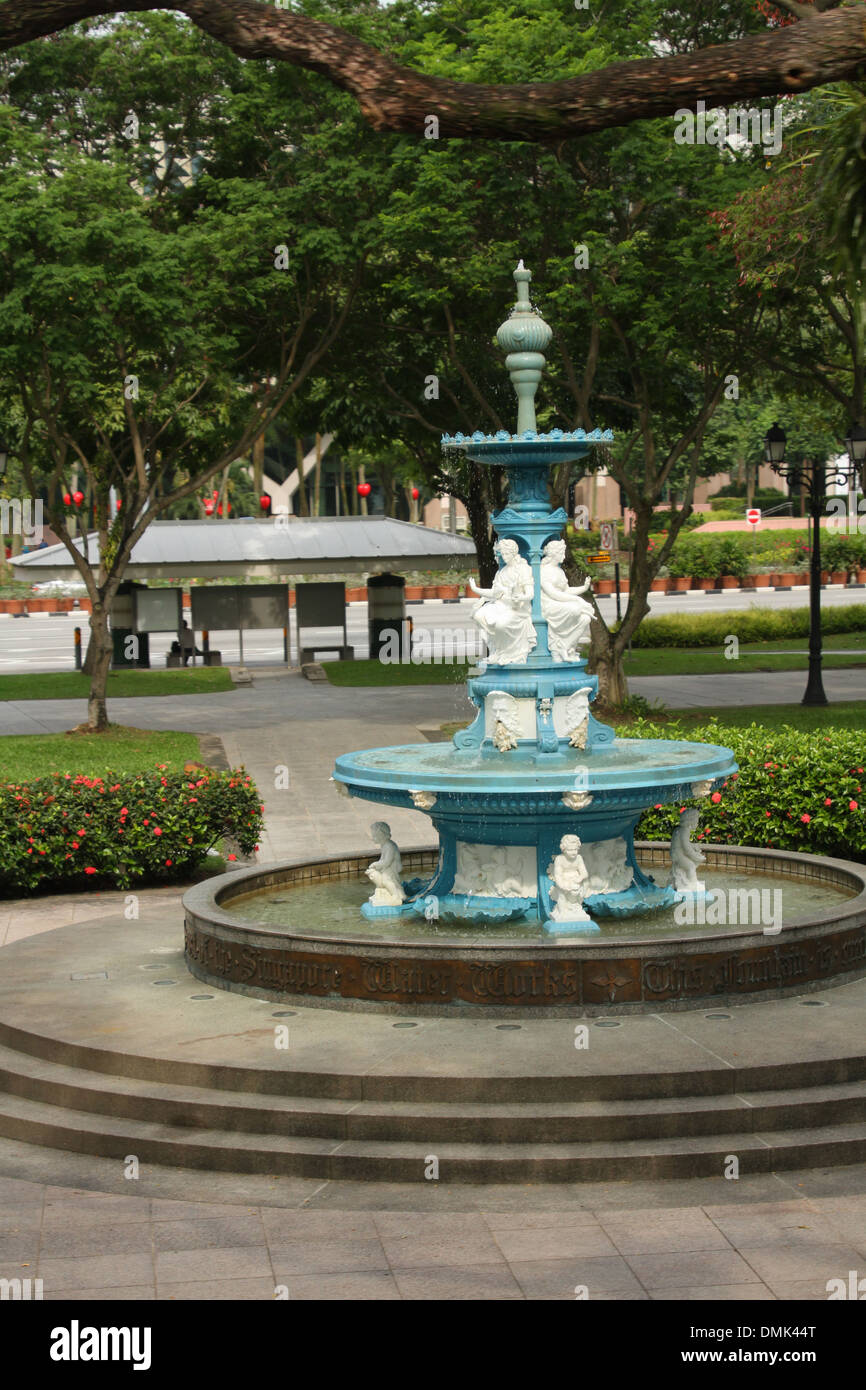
814 478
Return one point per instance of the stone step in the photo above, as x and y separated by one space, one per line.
199 1108
354 1160
445 1086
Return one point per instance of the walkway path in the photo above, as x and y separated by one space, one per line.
277 694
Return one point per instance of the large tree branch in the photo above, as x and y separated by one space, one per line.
822 48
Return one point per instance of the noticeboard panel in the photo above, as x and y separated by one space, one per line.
264 605
320 605
157 610
216 609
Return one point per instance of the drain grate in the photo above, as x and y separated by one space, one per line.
717 1015
607 1023
286 1013
404 1025
508 1027
164 982
202 996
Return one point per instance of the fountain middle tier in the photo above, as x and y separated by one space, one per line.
507 825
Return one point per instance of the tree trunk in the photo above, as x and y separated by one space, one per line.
303 509
606 661
99 655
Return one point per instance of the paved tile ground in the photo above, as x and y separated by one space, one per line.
89 1245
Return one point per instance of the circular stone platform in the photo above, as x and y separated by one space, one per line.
383 965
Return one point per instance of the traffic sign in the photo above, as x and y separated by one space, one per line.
607 536
753 515
602 558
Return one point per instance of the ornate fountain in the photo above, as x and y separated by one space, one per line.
535 804
534 897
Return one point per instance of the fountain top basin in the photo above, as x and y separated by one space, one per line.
624 764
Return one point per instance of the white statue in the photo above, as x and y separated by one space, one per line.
495 871
685 857
386 871
608 866
505 713
570 882
504 613
568 616
577 716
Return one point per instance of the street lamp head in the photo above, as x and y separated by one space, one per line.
855 444
774 445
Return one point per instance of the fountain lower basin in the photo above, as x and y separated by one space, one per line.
629 967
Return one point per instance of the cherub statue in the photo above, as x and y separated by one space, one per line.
570 880
385 873
504 613
567 614
685 857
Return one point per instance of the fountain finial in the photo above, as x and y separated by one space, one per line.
523 336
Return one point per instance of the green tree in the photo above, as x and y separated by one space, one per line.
150 330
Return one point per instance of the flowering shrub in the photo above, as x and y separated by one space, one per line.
794 791
114 831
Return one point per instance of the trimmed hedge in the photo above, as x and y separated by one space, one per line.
119 830
794 791
755 625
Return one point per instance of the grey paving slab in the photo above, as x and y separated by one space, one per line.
702 1268
192 1266
449 1283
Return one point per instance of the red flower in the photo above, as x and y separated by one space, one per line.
75 844
168 863
852 805
156 830
805 819
88 870
716 796
828 802
766 813
232 856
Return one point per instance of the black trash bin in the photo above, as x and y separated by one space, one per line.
386 614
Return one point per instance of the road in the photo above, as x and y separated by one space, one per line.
44 642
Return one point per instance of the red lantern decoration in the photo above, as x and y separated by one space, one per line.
67 499
364 489
265 502
118 504
220 509
416 493
78 498
208 507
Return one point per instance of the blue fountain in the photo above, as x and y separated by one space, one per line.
535 804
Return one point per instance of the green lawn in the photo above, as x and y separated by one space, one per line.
787 654
69 685
120 749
